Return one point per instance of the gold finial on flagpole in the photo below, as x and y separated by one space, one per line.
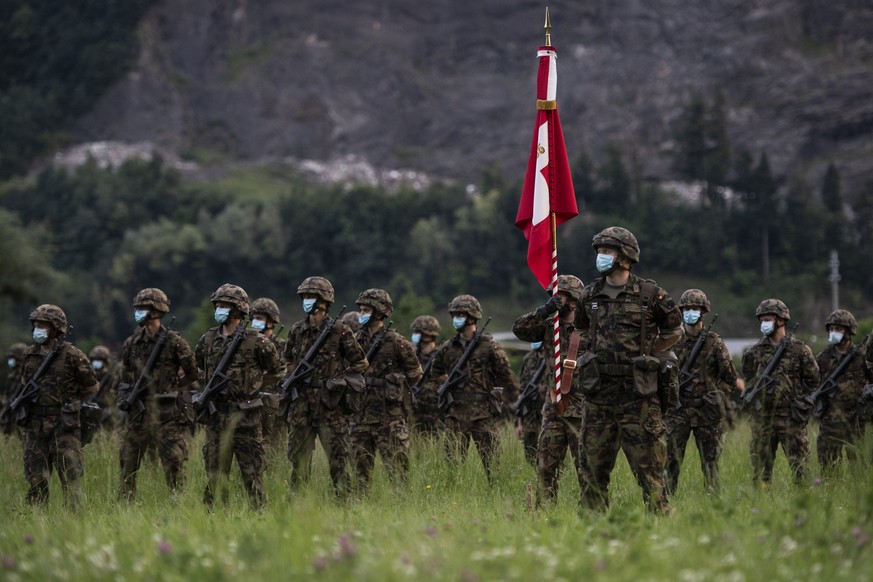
548 28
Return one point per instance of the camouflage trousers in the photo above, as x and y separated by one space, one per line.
169 439
333 433
833 437
557 435
428 418
390 439
234 435
635 427
48 447
485 434
768 432
709 438
530 430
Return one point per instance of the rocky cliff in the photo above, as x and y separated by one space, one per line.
448 86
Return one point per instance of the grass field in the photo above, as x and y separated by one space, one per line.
445 524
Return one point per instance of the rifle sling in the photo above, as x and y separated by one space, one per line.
568 368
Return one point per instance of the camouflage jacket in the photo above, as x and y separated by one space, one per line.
796 374
340 355
614 327
427 397
273 384
530 327
69 377
529 366
175 355
107 393
487 368
255 358
10 383
842 406
714 368
393 369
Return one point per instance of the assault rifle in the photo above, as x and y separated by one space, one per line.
458 375
18 407
288 387
419 386
766 381
522 405
377 342
203 402
686 373
133 404
828 388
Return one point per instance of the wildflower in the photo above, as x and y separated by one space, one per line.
817 482
165 547
346 548
8 563
754 510
431 531
28 539
320 562
427 486
788 545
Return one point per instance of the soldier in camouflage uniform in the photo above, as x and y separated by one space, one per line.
327 400
53 431
107 396
629 322
163 425
381 424
779 416
703 401
265 317
476 411
11 381
235 428
841 425
558 432
528 427
427 415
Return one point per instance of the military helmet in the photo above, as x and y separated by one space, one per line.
773 307
154 298
695 298
17 350
51 314
569 284
844 318
318 286
99 353
266 306
350 318
427 324
466 304
378 299
620 238
234 295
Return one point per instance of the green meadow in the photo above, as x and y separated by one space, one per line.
446 523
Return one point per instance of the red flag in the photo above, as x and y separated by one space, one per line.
548 186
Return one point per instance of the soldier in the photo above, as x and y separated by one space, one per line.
53 431
234 429
350 318
627 319
841 425
558 432
161 418
265 317
428 417
528 427
704 396
381 424
796 376
107 395
476 410
11 381
326 400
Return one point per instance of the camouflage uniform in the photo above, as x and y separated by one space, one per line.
107 395
616 416
531 423
11 382
772 420
235 429
557 433
52 433
164 424
702 406
428 418
841 424
273 430
475 412
323 408
381 424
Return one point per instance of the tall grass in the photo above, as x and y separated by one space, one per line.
445 523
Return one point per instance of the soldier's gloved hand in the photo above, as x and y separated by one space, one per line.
552 305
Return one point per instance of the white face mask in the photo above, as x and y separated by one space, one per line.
97 364
40 335
416 338
364 318
536 345
140 315
767 327
308 305
11 362
835 337
221 314
459 322
259 324
604 262
691 316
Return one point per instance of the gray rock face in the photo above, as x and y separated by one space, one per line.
446 87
